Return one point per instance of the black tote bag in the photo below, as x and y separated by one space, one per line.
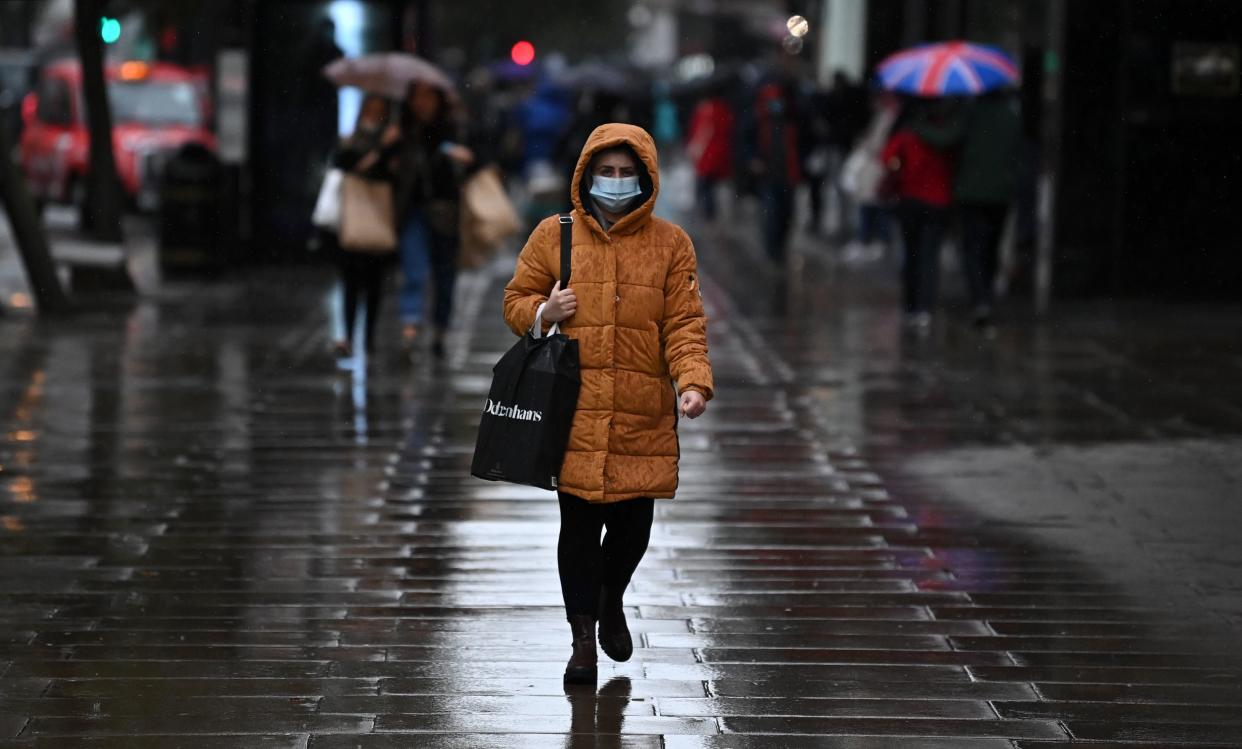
530 407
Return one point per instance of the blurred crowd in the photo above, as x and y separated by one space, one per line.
874 174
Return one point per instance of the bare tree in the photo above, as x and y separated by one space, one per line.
28 231
101 212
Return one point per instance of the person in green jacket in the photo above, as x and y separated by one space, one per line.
987 135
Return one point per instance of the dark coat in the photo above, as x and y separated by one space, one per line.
987 136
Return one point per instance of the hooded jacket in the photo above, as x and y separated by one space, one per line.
640 327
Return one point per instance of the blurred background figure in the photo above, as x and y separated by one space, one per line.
665 121
846 113
310 141
775 162
544 119
429 170
986 134
366 153
862 178
922 179
709 147
815 152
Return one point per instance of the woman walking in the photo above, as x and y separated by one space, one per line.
924 188
640 324
710 147
366 154
429 172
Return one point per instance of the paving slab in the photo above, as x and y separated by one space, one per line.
212 535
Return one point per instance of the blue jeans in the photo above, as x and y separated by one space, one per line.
872 223
707 196
426 254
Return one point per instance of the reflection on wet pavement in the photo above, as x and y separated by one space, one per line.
210 536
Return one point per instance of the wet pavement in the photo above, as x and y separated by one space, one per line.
211 536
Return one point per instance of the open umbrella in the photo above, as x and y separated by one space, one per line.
947 69
387 73
597 76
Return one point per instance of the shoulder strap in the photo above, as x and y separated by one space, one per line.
567 227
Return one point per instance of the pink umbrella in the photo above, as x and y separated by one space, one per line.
387 74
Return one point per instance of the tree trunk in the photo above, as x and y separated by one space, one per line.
28 231
101 212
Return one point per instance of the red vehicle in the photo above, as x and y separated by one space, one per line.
156 109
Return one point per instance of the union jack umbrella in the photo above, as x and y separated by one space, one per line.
947 69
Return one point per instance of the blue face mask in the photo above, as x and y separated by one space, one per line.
614 194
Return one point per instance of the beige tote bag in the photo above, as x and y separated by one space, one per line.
367 216
488 217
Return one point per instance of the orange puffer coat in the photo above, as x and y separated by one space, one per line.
640 328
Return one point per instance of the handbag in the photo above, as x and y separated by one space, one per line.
327 213
488 217
367 215
530 406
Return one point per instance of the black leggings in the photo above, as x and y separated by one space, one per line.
362 273
586 564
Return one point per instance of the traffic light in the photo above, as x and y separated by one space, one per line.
523 53
109 29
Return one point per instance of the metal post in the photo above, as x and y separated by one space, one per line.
842 39
1050 153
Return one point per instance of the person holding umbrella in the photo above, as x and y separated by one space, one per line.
429 171
364 153
428 168
983 137
636 311
987 136
922 177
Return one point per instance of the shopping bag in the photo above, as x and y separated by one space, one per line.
327 213
367 216
487 217
530 407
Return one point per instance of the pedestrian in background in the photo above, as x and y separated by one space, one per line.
846 113
814 151
639 323
710 148
863 177
922 177
987 136
366 153
430 167
776 163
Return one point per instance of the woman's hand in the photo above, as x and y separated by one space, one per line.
562 304
391 135
366 162
692 404
460 154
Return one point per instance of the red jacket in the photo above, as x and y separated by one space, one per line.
769 123
711 137
924 173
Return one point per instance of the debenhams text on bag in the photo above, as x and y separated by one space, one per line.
512 412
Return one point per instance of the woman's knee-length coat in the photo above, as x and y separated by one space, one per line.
641 332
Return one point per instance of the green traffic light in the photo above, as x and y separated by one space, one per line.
109 29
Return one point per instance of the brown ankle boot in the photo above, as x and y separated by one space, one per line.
614 634
581 668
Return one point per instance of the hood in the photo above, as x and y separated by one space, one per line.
607 136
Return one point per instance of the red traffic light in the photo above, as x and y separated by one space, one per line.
523 53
